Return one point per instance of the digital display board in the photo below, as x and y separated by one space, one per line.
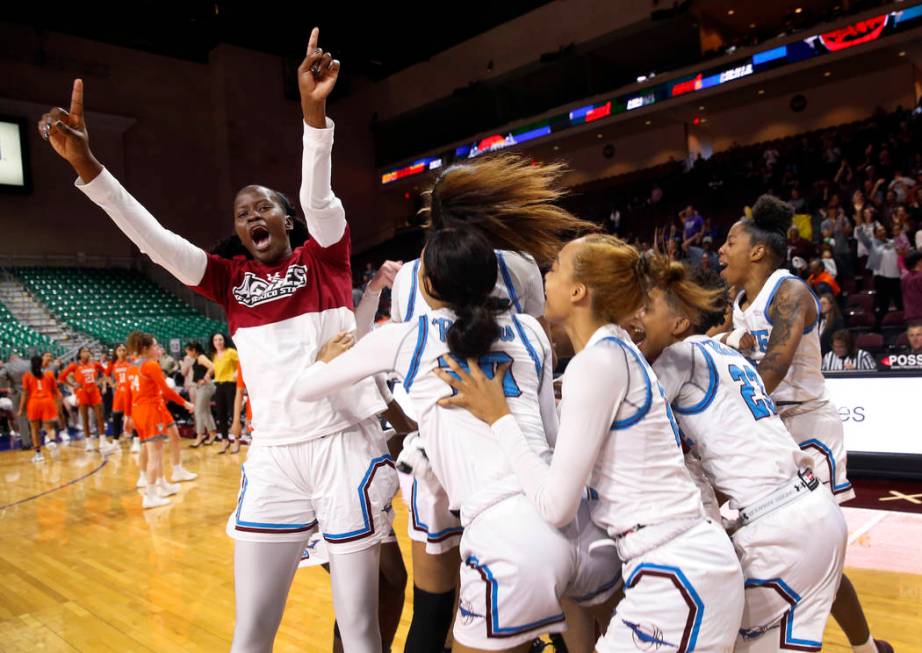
817 45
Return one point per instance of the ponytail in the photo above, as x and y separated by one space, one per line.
460 270
510 199
701 296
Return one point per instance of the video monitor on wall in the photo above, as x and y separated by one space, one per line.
14 156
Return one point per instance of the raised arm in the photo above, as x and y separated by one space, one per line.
317 74
67 133
376 352
793 308
371 298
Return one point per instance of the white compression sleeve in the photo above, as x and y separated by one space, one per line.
376 352
354 578
324 213
591 398
181 258
263 572
365 313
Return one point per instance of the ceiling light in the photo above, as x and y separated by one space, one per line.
730 12
761 91
902 53
701 108
598 135
798 10
827 74
649 122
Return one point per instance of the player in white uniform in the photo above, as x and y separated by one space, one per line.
510 201
781 314
282 301
683 583
730 424
516 567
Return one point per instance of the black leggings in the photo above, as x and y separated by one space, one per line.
224 403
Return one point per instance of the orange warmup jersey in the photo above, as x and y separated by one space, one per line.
84 373
148 393
118 370
40 389
42 405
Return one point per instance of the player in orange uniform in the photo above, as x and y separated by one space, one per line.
84 373
179 473
40 390
148 393
118 371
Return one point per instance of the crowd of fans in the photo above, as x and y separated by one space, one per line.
856 237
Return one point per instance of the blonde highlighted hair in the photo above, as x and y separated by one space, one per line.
615 274
509 198
699 296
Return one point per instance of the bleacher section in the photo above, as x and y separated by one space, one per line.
110 303
17 337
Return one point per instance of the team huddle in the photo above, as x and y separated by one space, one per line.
682 495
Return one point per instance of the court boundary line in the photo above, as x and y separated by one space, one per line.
105 461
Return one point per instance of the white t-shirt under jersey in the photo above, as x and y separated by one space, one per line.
727 420
465 457
617 435
518 279
804 381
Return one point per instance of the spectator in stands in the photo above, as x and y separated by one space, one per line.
883 262
914 336
845 355
911 286
901 185
829 260
831 321
798 246
797 201
692 227
865 224
820 280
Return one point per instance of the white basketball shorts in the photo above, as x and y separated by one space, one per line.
684 595
429 520
792 561
515 568
819 432
341 483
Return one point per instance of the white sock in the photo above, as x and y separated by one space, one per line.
177 468
868 647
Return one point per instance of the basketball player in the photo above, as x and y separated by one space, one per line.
147 399
88 396
781 313
284 294
516 211
683 583
516 568
118 370
731 425
38 403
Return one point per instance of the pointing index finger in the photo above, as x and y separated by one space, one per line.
76 100
312 41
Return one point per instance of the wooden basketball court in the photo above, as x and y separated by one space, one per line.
84 568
